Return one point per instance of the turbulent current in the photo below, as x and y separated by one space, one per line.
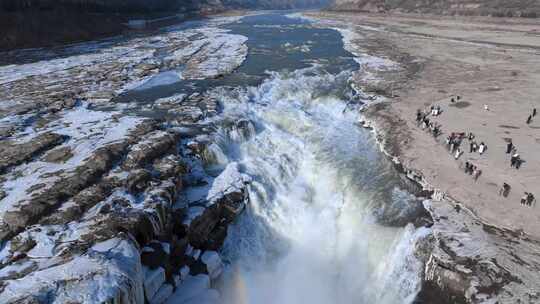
311 232
309 235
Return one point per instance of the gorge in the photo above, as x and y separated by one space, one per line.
240 158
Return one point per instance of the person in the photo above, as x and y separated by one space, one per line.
513 160
475 146
529 119
518 162
472 168
509 147
505 190
436 131
471 147
467 166
534 112
452 100
458 153
524 198
471 136
530 199
482 148
476 174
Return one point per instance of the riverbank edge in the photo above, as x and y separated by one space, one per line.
450 275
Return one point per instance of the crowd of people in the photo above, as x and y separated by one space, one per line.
454 142
423 121
472 170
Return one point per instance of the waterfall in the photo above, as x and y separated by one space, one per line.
309 234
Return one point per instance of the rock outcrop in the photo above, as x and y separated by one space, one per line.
100 200
474 262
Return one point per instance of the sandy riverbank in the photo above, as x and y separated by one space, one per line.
483 61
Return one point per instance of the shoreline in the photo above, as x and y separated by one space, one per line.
463 239
394 118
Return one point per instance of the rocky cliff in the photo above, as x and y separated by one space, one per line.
496 8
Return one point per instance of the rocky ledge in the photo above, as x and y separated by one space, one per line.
127 208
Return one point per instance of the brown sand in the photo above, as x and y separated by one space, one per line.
486 61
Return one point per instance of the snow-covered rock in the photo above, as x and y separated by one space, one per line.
213 263
109 272
153 279
196 254
184 273
230 181
164 292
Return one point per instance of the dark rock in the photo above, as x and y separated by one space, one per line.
201 226
81 202
156 144
58 155
153 255
197 267
12 154
138 180
171 166
217 237
40 205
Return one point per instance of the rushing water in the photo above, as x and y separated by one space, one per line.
311 233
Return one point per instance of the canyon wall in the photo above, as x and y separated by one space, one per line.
495 8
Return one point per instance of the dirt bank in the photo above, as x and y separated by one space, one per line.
485 63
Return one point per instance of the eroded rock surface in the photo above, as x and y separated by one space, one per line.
473 262
98 200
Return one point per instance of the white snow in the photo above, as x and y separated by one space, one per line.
196 254
162 294
192 287
210 296
166 247
88 131
217 52
108 269
361 57
161 79
230 180
184 273
170 101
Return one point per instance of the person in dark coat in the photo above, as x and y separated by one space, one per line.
509 147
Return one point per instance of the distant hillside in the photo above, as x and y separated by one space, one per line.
496 8
132 6
35 23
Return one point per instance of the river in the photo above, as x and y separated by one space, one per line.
328 218
311 232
